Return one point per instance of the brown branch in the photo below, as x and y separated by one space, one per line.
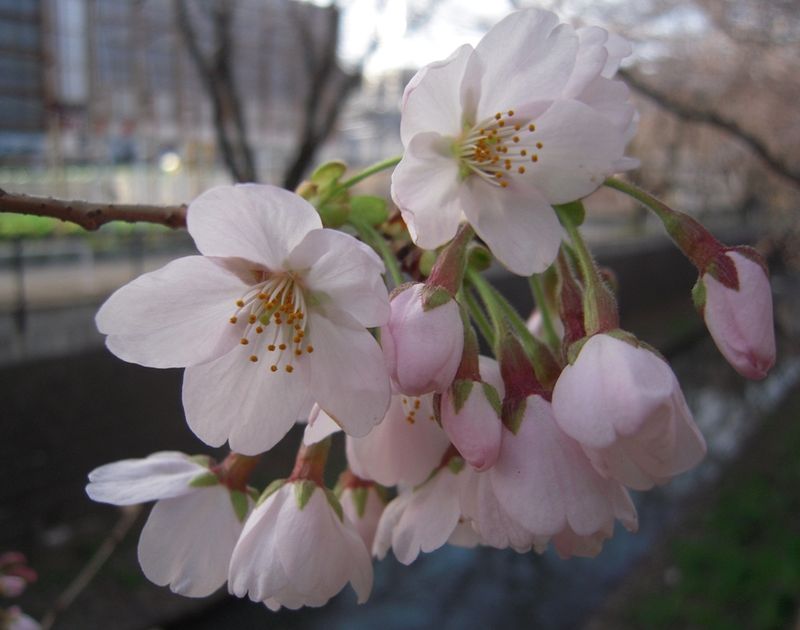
714 119
96 562
90 216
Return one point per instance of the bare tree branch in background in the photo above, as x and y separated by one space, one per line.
714 119
216 73
90 216
328 88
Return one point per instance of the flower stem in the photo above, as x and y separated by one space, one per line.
694 240
486 292
375 239
369 172
537 288
478 316
310 462
599 306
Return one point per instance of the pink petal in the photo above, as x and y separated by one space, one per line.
242 402
399 451
519 225
526 56
579 149
187 542
175 316
256 222
161 475
425 188
344 271
431 99
345 374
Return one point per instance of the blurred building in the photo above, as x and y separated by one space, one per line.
107 82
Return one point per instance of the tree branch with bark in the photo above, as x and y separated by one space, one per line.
90 216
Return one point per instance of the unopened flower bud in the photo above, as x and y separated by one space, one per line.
740 320
623 404
471 419
423 341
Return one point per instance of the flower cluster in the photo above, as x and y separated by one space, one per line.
282 320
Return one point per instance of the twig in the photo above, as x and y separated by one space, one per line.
90 570
714 119
89 215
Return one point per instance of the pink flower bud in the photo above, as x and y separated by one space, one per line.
740 322
471 419
422 345
624 406
12 585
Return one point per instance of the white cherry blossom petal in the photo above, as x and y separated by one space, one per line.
346 373
187 541
344 271
431 99
157 319
425 187
320 425
242 402
162 475
257 222
519 225
579 149
527 56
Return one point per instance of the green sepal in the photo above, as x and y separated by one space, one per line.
204 480
455 465
328 173
253 493
240 504
369 209
426 262
461 390
699 295
575 349
513 419
624 335
303 489
359 499
479 257
332 501
271 489
493 397
434 297
203 460
382 492
335 213
574 211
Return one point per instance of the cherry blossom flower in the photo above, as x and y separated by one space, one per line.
422 346
404 448
422 518
625 407
271 318
189 536
544 489
740 321
363 505
529 118
299 549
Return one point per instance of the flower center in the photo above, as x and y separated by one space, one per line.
275 311
414 409
498 148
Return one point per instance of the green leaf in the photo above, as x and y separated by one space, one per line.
204 480
328 174
369 209
240 504
303 490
